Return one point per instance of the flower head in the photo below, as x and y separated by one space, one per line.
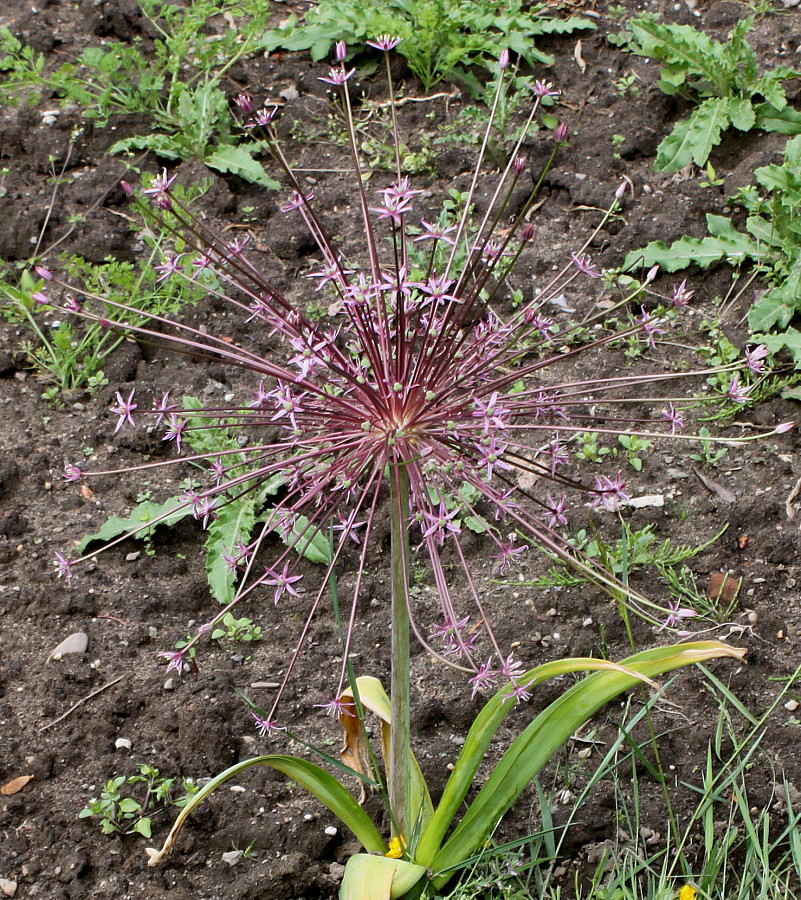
424 392
124 409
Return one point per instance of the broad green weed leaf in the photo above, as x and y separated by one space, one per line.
678 45
783 121
676 150
239 161
307 540
234 522
741 113
780 179
678 255
764 233
777 307
162 144
792 154
790 340
725 242
706 124
167 513
770 87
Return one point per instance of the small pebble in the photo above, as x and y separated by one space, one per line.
8 887
645 501
331 830
792 705
132 557
123 744
232 857
75 643
169 684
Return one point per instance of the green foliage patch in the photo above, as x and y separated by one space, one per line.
723 78
771 241
178 88
442 39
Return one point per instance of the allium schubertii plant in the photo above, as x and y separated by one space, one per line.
422 395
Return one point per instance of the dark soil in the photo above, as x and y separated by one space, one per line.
132 605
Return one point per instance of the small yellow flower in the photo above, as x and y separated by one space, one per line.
397 845
687 892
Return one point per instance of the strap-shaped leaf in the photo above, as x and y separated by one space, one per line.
378 878
478 740
309 776
543 737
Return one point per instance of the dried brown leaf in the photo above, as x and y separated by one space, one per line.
15 785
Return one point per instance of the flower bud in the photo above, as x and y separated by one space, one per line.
519 165
560 133
784 427
652 273
340 51
503 60
244 102
526 233
621 190
42 272
126 188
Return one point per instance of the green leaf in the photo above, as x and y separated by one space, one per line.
563 26
128 805
378 878
307 540
693 139
239 161
143 827
141 522
777 307
770 87
310 777
741 113
792 154
725 242
783 121
161 144
789 340
676 150
534 747
234 522
780 179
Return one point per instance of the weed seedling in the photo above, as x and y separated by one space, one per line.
237 629
119 811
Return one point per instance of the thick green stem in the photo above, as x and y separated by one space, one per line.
399 775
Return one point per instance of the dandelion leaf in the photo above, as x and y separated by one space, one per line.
692 140
239 161
776 308
783 121
168 513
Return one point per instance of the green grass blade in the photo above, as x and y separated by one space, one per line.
309 776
